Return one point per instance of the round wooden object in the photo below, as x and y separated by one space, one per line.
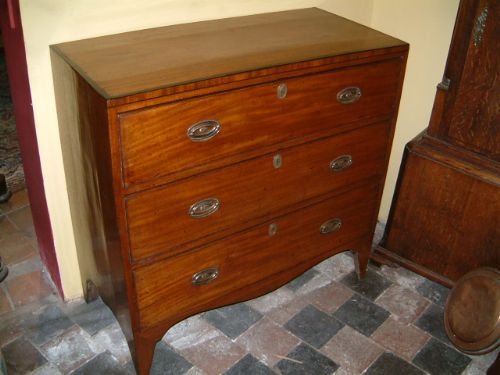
472 312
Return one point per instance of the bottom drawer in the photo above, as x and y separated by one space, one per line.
167 289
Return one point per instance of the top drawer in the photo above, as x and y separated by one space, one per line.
155 142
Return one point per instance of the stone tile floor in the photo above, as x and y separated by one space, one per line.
323 322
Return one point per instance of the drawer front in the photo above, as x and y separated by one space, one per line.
155 141
194 211
238 261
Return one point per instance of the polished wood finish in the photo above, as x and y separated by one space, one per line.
471 113
447 221
250 192
444 220
82 115
241 258
472 311
153 138
125 104
123 64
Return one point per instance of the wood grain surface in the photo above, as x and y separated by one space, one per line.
444 219
249 192
472 109
82 116
450 226
165 288
125 104
154 140
129 63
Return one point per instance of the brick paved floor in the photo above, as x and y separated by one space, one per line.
323 322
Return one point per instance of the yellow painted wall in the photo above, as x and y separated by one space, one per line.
426 24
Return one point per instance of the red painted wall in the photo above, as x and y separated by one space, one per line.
15 56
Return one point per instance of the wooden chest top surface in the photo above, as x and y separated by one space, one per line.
140 61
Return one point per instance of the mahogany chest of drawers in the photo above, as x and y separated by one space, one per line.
213 162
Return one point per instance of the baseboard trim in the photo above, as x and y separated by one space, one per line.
384 256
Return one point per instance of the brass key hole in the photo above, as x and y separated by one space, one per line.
282 91
277 161
273 229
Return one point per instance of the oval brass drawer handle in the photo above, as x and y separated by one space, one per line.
204 130
340 163
204 208
205 276
330 226
349 95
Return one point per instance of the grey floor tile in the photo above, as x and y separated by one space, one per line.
371 286
168 362
22 357
111 339
129 366
402 276
47 323
47 337
337 266
233 320
306 360
92 317
298 282
104 363
68 351
213 355
439 359
361 314
11 327
30 265
388 363
313 326
249 365
352 350
47 369
486 361
432 321
435 292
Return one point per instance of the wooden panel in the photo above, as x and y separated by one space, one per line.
250 191
154 141
473 118
444 219
82 116
165 288
139 61
451 226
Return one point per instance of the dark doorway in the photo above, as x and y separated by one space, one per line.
10 153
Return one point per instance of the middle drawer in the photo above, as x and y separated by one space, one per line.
200 209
